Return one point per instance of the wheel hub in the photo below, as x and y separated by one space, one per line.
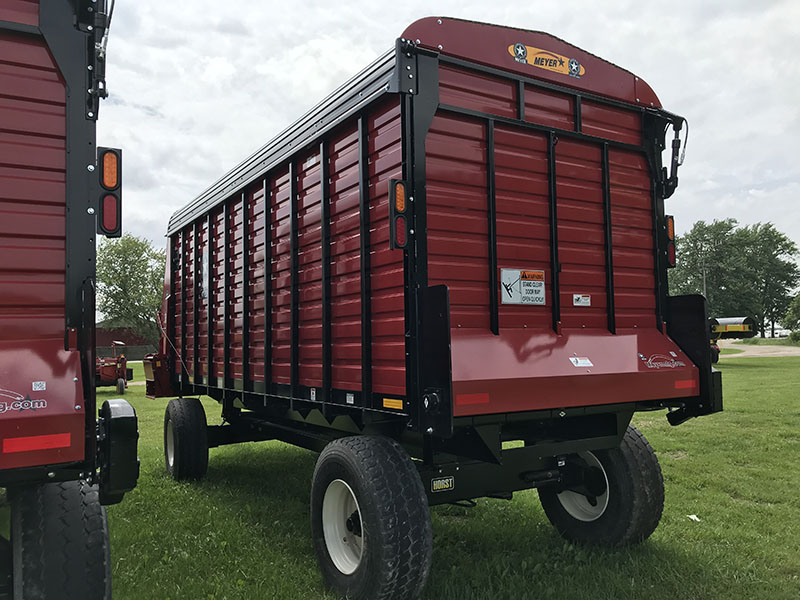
588 501
341 526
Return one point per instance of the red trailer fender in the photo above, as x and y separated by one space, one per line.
41 413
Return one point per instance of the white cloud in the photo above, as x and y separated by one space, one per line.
198 87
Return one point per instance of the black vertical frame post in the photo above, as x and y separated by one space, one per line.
184 270
521 100
491 201
555 266
245 295
210 246
197 266
325 233
226 301
267 287
578 114
653 131
609 243
366 316
295 277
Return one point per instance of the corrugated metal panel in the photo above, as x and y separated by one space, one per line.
20 11
387 291
345 261
631 216
545 107
281 317
32 185
458 242
523 217
612 123
256 235
235 285
216 286
475 91
310 274
581 237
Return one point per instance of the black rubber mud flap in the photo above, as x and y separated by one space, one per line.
436 378
688 325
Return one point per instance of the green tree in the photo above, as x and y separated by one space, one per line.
130 279
791 320
769 258
741 270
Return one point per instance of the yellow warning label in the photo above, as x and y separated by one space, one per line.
393 403
531 275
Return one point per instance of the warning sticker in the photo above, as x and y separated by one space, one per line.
581 300
522 286
580 361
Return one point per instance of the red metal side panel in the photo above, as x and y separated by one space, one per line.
281 319
387 287
632 233
235 285
549 108
189 257
475 91
202 299
611 123
458 241
581 236
20 11
309 221
345 261
175 306
32 185
523 217
217 291
255 247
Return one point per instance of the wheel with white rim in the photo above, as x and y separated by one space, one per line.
185 439
370 520
619 500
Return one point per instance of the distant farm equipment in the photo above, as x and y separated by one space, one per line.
113 370
729 328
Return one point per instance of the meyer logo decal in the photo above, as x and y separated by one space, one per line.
443 484
544 59
659 361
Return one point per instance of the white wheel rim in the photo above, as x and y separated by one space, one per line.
170 444
578 505
345 545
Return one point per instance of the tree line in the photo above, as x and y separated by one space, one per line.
741 270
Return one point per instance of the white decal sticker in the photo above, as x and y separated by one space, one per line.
350 398
580 361
313 393
581 300
660 361
39 386
518 286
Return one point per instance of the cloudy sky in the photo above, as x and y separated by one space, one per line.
197 85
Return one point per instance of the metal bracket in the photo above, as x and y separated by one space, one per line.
404 80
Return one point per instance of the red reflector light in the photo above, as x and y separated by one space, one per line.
400 231
36 442
686 384
671 254
110 217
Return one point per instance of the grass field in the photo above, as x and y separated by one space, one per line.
244 531
759 341
730 351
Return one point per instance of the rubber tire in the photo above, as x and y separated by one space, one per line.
59 537
398 541
121 386
635 503
188 420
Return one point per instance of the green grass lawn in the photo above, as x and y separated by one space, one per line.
244 531
730 351
759 341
